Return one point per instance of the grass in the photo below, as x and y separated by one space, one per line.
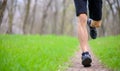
108 51
36 53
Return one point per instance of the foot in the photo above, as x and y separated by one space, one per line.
86 59
93 31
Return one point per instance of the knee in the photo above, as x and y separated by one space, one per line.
83 18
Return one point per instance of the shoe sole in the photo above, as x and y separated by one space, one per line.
87 62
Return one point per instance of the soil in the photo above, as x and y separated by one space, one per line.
77 66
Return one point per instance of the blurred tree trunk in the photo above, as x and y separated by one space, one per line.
10 15
63 17
45 10
118 8
52 17
33 16
55 17
118 3
110 5
3 5
115 8
26 17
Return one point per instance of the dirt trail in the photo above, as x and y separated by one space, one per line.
77 66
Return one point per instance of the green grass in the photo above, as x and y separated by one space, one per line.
36 53
108 51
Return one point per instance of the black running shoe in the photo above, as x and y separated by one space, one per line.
93 31
86 59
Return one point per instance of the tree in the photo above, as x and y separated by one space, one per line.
2 9
25 26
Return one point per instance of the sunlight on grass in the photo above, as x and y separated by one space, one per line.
35 53
108 51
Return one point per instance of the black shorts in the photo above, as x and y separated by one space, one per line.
94 6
